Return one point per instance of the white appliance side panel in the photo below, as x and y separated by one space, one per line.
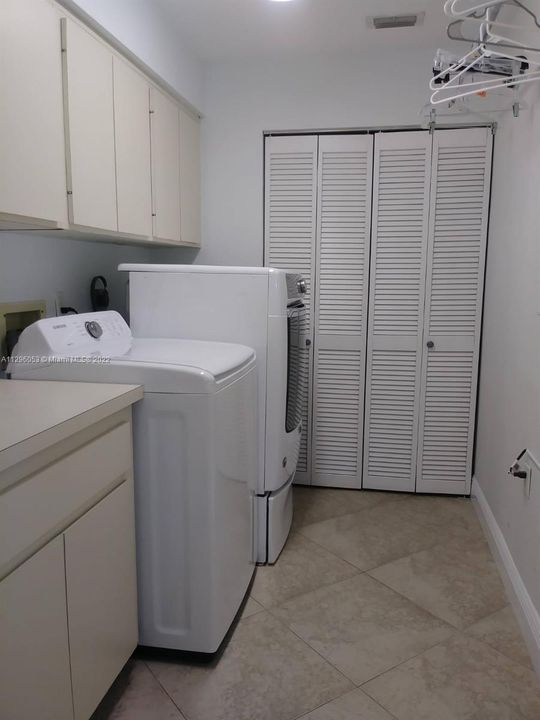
194 461
224 307
280 515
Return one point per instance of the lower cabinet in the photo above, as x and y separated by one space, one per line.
68 597
34 646
101 597
68 616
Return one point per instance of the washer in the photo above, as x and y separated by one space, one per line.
195 450
259 307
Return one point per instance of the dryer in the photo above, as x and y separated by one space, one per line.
259 307
195 453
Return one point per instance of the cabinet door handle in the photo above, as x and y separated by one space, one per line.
430 344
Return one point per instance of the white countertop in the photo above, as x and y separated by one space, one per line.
35 414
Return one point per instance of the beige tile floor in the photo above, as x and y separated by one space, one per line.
381 607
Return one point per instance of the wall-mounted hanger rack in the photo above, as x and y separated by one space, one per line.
445 89
451 80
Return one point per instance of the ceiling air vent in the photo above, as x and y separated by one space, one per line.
385 22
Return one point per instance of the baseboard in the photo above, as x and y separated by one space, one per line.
527 615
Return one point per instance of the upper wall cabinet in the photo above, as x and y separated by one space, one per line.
88 143
32 162
165 143
132 140
89 117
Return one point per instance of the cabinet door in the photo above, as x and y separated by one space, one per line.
165 144
89 116
289 229
190 180
461 171
132 142
32 161
101 596
401 188
34 648
343 237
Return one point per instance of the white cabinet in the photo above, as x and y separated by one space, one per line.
101 596
32 160
78 150
165 145
190 180
34 648
132 144
68 591
89 117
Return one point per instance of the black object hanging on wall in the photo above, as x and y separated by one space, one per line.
99 296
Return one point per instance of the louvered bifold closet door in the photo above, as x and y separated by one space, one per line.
342 271
401 182
289 223
461 172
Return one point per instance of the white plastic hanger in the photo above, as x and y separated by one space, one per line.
454 89
488 36
450 8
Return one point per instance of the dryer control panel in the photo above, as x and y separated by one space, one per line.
103 334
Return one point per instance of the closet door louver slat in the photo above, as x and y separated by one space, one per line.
461 168
397 282
343 235
290 217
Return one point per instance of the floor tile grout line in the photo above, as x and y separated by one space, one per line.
182 713
347 692
454 630
397 665
326 661
400 557
330 552
476 622
307 592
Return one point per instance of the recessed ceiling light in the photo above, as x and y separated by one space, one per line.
281 0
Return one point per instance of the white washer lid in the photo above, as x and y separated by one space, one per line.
161 365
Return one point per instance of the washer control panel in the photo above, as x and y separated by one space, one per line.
104 334
93 328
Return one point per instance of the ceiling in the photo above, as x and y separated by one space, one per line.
227 29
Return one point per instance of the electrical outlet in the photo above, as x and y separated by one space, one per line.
58 302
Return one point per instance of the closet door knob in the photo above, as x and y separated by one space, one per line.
430 344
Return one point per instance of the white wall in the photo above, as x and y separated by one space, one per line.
33 267
243 99
147 31
509 402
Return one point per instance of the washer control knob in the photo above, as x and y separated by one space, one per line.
301 286
94 329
